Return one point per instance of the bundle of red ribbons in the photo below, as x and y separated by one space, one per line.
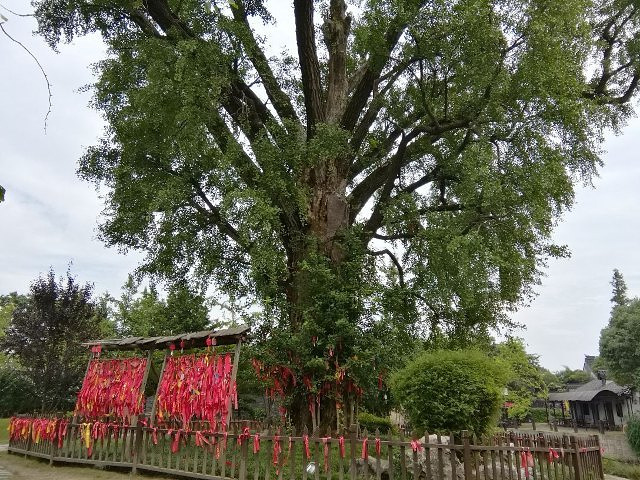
112 387
39 429
197 386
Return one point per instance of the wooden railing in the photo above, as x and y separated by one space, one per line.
246 454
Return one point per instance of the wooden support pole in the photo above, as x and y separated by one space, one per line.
137 439
468 473
577 461
234 374
152 420
74 419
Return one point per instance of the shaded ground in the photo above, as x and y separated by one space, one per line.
16 467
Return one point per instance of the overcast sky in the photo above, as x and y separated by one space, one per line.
49 217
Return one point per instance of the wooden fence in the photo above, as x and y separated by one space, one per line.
246 454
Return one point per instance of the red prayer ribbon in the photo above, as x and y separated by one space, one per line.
277 449
256 443
197 386
416 446
112 387
325 441
305 442
341 446
378 447
365 449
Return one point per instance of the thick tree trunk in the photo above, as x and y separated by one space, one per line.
327 217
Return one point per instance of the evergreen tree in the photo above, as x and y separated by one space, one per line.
619 297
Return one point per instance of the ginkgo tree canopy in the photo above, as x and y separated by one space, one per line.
397 171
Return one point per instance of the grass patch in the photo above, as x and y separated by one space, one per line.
621 469
4 433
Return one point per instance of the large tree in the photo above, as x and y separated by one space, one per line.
45 335
619 343
441 139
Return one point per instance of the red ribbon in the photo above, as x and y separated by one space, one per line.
277 449
256 443
112 387
341 446
378 447
175 444
416 446
553 455
325 441
201 440
305 442
365 450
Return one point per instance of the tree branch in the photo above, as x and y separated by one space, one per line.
280 101
309 65
336 32
395 261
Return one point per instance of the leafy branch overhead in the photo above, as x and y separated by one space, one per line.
406 161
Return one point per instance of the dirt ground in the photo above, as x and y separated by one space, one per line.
17 467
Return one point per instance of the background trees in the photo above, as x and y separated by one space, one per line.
619 344
44 336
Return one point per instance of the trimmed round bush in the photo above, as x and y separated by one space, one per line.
451 390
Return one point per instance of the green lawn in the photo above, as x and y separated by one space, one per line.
621 469
4 434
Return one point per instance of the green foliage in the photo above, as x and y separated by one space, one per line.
619 341
568 376
372 422
451 133
526 380
451 390
147 314
17 391
539 415
633 433
619 297
44 336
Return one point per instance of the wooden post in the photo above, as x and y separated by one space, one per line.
54 441
152 420
353 469
244 449
74 419
234 373
599 456
577 462
137 436
468 473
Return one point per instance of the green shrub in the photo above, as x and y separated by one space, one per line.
451 390
539 415
633 433
371 422
17 392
